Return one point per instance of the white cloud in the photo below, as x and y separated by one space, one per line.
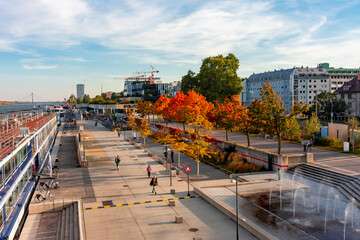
40 67
163 33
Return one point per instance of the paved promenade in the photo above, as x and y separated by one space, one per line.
337 162
101 184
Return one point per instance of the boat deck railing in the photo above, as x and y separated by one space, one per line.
10 129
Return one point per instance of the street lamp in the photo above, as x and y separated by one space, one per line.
236 207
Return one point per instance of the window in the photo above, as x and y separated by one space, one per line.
309 86
342 96
1 180
349 96
350 104
9 206
7 168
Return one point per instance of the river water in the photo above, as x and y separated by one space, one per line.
39 106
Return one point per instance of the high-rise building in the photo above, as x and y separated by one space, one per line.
80 90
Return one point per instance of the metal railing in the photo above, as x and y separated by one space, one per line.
10 135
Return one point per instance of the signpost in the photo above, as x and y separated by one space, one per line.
188 170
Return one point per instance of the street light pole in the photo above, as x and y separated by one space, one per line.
237 211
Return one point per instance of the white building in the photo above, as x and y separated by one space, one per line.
294 85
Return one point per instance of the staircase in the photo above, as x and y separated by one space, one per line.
68 223
349 186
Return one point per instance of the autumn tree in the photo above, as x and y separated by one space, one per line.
312 126
160 108
228 114
292 128
144 108
144 129
274 114
249 118
190 109
197 148
133 123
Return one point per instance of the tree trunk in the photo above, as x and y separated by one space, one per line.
198 168
248 138
166 122
144 140
178 158
279 143
227 136
184 127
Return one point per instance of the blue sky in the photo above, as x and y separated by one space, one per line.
48 46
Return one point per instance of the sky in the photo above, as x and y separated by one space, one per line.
49 46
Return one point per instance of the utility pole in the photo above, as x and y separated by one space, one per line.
316 104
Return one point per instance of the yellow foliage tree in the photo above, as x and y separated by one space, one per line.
144 129
132 123
197 148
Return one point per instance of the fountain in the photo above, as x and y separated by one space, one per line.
316 208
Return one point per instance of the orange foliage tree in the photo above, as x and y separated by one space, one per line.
228 114
160 108
190 109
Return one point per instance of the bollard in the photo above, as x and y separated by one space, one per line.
197 238
172 191
179 219
171 203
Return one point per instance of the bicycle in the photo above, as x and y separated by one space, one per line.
41 198
46 186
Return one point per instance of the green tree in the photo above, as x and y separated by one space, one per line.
353 130
312 126
114 96
79 100
86 98
327 102
216 80
190 82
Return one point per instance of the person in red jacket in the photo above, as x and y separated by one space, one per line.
148 169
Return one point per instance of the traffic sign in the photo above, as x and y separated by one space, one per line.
187 169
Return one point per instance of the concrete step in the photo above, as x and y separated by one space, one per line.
347 185
76 222
71 224
67 224
63 220
58 229
330 180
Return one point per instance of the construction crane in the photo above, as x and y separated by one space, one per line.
141 76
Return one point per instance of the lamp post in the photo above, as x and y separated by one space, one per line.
237 210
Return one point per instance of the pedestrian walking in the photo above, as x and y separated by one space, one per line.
148 169
119 133
165 155
172 156
117 161
153 183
